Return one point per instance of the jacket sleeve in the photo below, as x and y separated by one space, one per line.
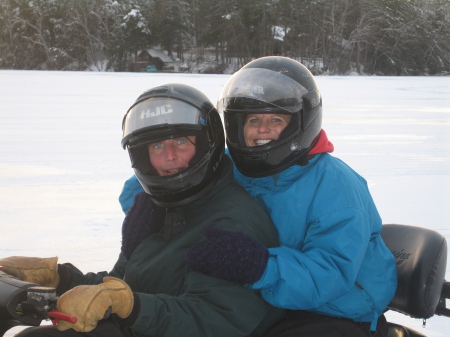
70 276
325 267
207 307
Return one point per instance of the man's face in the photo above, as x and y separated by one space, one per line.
260 129
171 156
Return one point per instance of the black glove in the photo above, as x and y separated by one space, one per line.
229 256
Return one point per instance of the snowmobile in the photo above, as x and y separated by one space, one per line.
420 253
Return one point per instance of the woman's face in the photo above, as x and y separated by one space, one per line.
260 129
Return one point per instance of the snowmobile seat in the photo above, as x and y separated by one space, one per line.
421 256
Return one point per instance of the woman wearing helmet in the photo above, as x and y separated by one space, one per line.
332 267
175 140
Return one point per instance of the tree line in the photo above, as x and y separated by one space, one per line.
383 37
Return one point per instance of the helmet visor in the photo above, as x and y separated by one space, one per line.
161 112
261 90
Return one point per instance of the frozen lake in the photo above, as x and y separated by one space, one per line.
62 166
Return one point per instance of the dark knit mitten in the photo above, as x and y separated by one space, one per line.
143 219
229 256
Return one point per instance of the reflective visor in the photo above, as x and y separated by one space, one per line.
251 85
161 111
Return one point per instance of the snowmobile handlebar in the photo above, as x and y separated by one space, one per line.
24 303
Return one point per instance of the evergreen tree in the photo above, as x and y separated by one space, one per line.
386 37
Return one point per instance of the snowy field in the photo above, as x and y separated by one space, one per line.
62 166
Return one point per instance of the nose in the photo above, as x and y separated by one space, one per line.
263 126
171 153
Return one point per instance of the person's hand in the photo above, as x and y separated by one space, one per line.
42 271
89 303
229 256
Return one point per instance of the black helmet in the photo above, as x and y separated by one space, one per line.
173 111
271 85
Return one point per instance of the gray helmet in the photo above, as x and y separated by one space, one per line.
271 85
173 111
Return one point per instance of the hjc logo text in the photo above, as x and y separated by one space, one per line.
159 110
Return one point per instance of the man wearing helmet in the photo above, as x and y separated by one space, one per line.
332 268
175 140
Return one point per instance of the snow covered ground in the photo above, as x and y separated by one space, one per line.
62 166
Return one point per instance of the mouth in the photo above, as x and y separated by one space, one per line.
259 142
173 171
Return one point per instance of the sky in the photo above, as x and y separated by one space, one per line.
62 166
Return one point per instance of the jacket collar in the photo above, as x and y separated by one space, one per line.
322 145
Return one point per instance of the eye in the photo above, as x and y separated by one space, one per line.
253 120
281 119
156 147
182 141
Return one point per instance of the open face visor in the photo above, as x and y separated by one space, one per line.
257 90
260 91
160 118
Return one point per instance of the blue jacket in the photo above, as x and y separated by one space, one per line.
332 259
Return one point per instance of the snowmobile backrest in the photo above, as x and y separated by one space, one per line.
421 256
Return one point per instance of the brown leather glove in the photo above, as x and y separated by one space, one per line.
89 303
42 271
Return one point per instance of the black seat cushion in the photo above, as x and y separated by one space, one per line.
421 256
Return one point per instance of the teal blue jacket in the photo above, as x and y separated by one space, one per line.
332 259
